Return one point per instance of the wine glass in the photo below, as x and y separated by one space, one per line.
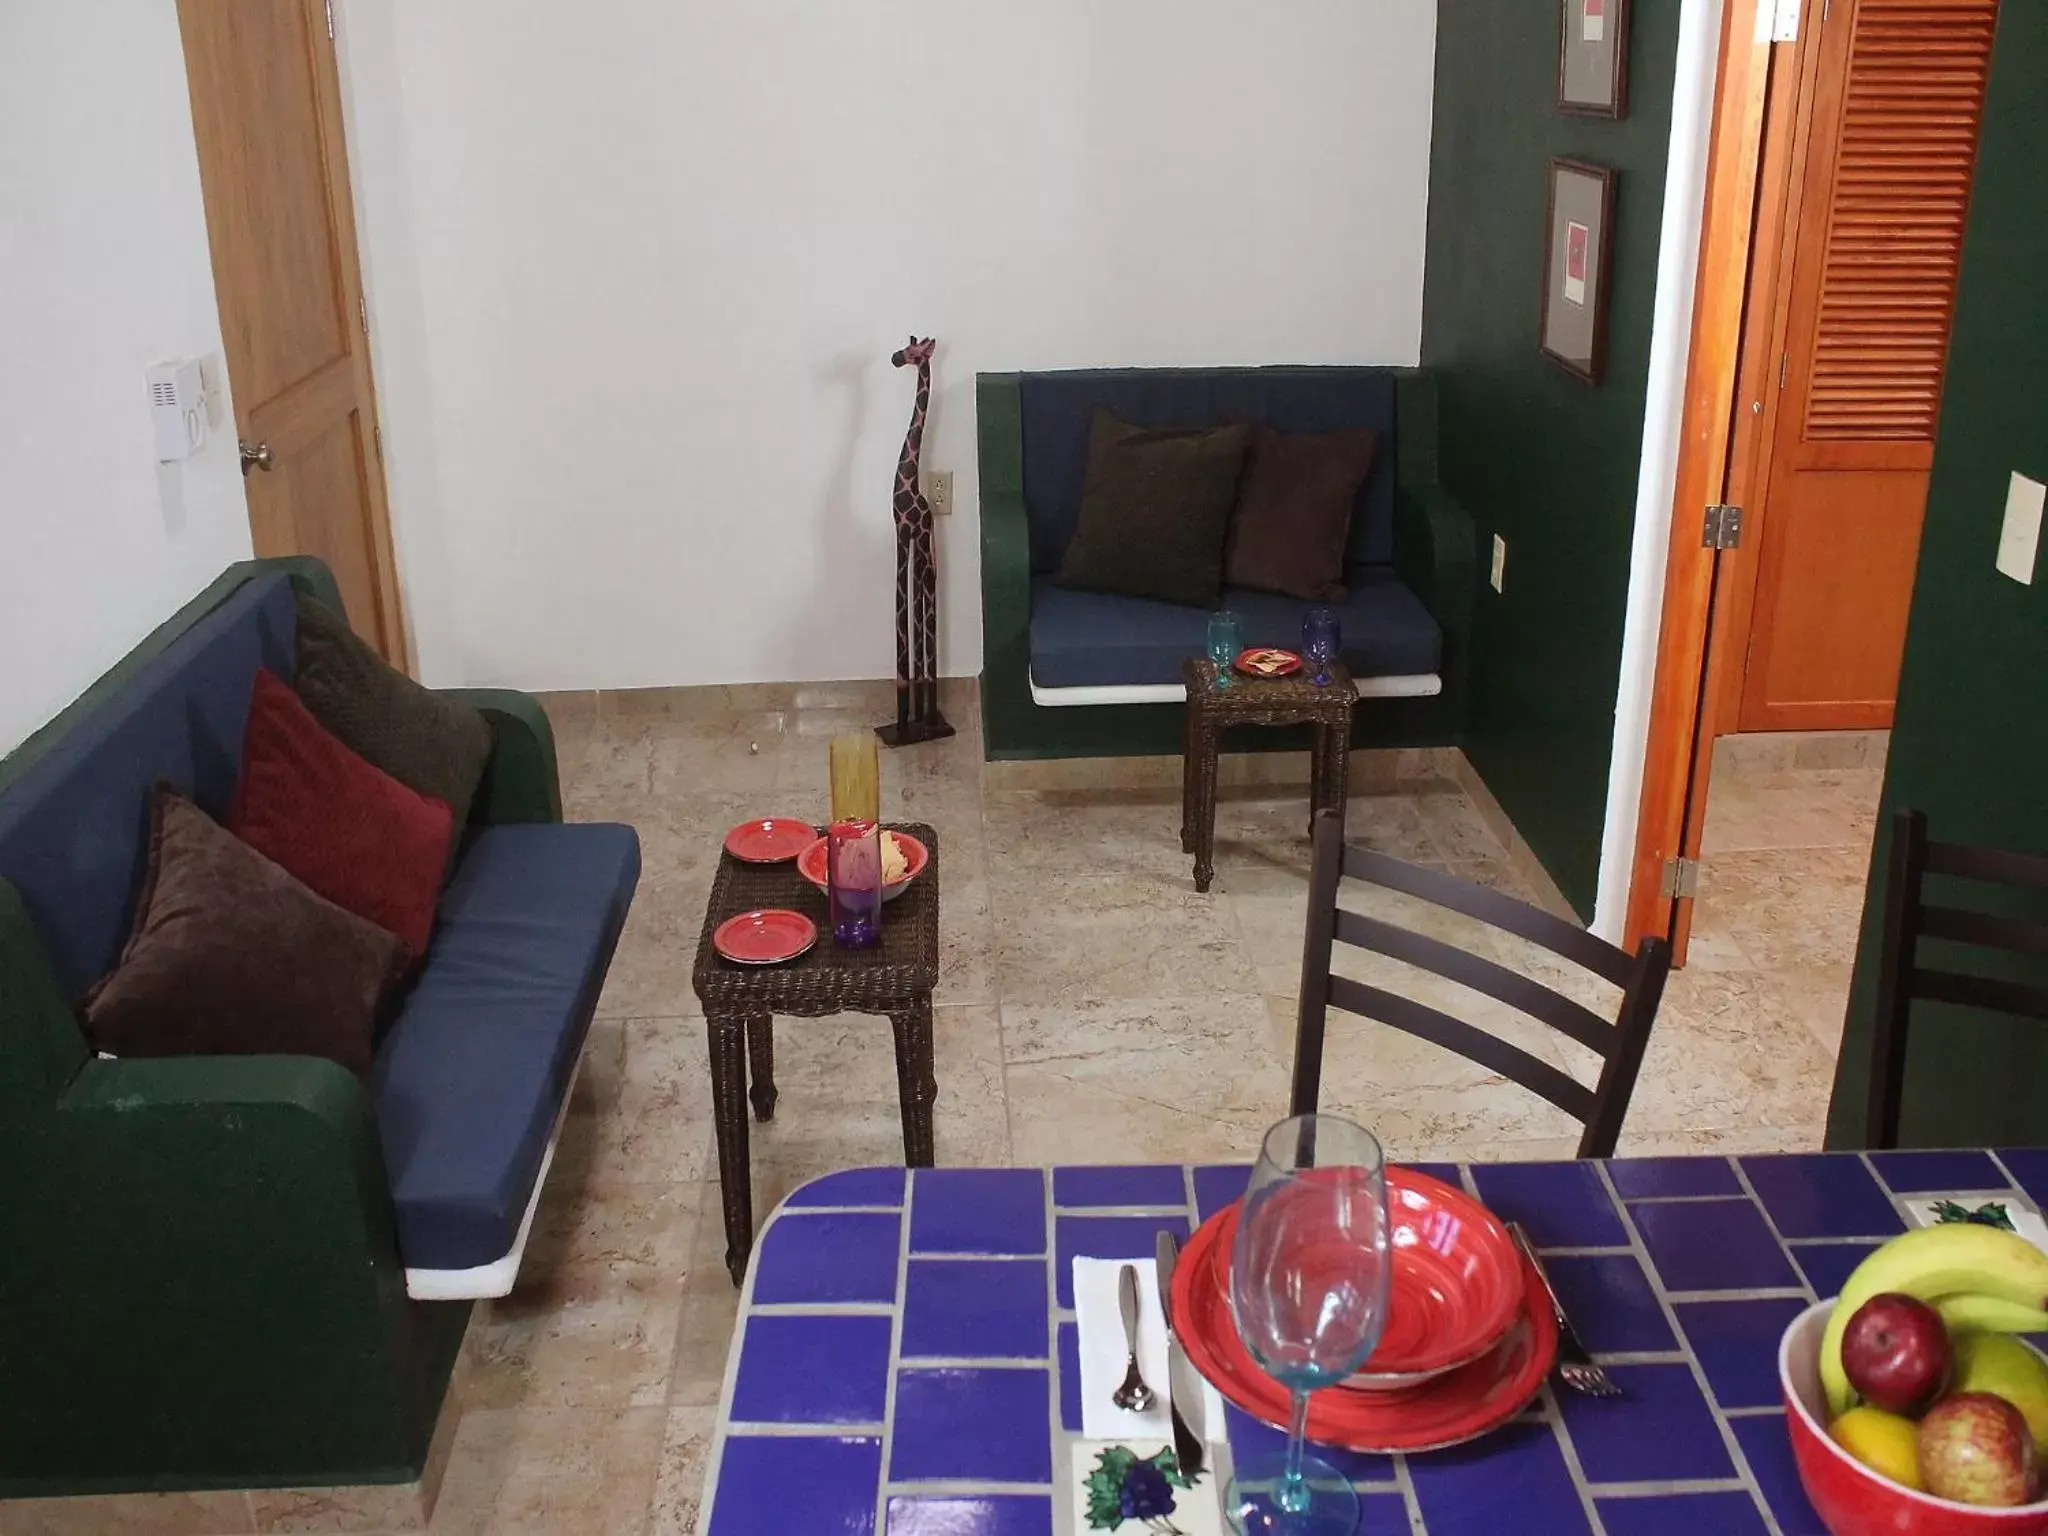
1320 636
1308 1288
1226 639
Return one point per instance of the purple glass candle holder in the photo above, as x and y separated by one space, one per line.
853 881
1321 635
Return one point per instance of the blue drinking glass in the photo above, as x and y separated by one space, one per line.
1226 641
1309 1277
1321 635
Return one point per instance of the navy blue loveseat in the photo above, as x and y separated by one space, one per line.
1071 673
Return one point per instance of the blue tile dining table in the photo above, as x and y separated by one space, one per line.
905 1362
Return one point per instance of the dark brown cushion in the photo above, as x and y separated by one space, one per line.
436 745
1293 517
1154 508
230 956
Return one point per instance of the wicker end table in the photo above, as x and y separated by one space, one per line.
1257 701
895 978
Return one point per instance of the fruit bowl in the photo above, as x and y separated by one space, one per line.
1852 1499
811 863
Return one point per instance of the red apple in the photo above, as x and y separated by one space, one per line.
1895 1351
1976 1449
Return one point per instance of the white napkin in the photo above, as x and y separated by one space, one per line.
1099 1322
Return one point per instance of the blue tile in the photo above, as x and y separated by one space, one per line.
1250 1437
843 1256
1564 1205
1108 1237
978 1210
1070 1378
1382 1514
1511 1480
1660 1427
1821 1195
1827 1265
989 1514
1936 1173
1736 1344
1218 1186
1443 1173
975 1309
1637 1178
2029 1167
1610 1301
1724 1514
797 1483
855 1186
1712 1245
813 1370
985 1426
1148 1187
1769 1454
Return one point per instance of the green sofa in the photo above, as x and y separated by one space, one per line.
1075 675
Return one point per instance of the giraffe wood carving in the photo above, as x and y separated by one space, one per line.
917 577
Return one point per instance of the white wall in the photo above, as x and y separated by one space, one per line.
635 270
103 271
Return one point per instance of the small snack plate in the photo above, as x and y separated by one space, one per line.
766 937
1264 661
812 863
769 839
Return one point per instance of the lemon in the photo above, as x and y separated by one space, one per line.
1887 1443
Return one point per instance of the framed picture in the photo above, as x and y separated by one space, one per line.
1578 246
1592 57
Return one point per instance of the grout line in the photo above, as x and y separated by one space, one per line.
895 1352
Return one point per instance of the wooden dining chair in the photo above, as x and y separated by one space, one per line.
1619 1042
1902 979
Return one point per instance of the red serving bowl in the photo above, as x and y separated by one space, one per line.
1849 1497
811 863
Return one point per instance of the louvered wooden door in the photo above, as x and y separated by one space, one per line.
1889 153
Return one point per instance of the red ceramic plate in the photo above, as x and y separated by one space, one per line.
769 840
1457 1406
768 937
811 863
1265 661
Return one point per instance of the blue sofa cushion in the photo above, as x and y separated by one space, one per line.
1058 409
74 828
1088 639
470 1077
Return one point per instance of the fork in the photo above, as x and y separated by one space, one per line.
1573 1363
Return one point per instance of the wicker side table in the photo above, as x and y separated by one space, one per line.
1252 701
895 978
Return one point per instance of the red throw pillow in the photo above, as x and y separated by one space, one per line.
341 825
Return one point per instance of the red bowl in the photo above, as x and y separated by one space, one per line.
811 864
1849 1497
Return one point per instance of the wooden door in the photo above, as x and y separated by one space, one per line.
1878 228
266 107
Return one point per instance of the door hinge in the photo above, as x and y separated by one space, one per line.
1785 22
377 442
1748 652
363 312
1723 529
1825 7
1681 879
1784 368
330 19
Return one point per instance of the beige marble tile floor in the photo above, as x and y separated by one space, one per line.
1092 1007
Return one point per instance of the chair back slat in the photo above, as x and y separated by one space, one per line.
1988 992
1984 928
1510 1061
1481 975
1493 908
1996 865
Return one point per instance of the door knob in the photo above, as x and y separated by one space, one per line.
257 456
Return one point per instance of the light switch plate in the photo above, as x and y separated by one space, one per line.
2020 539
1500 563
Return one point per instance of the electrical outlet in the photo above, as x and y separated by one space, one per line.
1500 562
938 490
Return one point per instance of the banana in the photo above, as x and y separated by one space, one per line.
1929 1263
1968 1310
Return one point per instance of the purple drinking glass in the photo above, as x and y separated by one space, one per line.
1321 635
853 882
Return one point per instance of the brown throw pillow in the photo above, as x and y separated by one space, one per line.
230 956
1154 508
436 745
1293 517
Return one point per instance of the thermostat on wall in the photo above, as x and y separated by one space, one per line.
177 407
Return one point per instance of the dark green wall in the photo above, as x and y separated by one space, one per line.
1970 743
1544 460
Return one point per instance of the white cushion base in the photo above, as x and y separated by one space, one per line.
1420 685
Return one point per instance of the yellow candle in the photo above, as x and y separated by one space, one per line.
856 777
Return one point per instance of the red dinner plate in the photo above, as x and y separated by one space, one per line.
770 839
767 937
1449 1409
1265 661
812 863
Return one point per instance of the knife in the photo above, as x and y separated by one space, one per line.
1183 1385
